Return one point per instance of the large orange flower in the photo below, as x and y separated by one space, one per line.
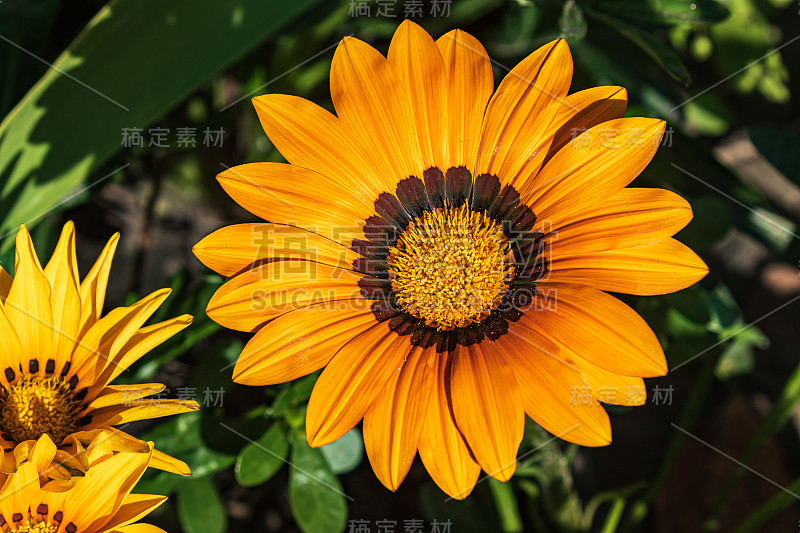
443 249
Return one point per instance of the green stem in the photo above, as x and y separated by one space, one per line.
506 503
614 516
689 416
777 416
772 507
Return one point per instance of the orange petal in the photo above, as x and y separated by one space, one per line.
265 292
231 249
441 447
660 268
610 387
418 63
550 389
487 408
598 327
632 217
586 109
301 341
376 108
291 195
595 165
351 382
310 137
5 283
469 86
393 424
516 130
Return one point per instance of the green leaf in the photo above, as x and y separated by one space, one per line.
657 50
315 494
667 12
780 148
260 460
572 22
737 358
346 453
181 437
200 507
69 125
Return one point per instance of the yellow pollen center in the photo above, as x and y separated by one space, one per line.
34 406
36 527
451 267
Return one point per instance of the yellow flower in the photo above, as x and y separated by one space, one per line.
99 501
59 355
443 249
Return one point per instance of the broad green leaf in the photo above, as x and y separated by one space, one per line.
780 148
572 22
133 62
315 494
345 454
657 50
666 12
725 312
260 460
200 507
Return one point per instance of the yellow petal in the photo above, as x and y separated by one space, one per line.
62 273
140 410
93 286
469 86
91 504
393 424
124 394
301 341
141 343
167 463
28 304
487 408
134 507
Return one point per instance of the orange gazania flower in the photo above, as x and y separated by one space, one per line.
59 355
443 249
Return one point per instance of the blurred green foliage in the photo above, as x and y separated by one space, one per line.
75 78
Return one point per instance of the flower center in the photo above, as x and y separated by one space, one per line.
451 267
35 406
37 527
